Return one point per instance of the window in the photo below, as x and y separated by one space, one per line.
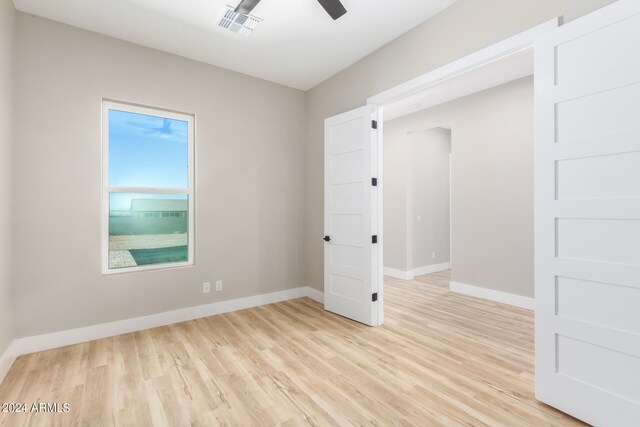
148 193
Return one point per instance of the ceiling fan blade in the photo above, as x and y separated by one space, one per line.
333 7
246 6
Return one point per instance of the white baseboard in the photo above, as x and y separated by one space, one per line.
493 295
398 274
52 340
6 360
410 275
428 269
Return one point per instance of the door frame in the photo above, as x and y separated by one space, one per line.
505 49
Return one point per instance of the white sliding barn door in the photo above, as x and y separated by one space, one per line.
587 220
351 208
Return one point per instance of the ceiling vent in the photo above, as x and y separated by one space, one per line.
237 23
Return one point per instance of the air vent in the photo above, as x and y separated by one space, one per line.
237 23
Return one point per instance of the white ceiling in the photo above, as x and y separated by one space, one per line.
297 45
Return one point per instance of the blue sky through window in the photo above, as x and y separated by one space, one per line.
146 151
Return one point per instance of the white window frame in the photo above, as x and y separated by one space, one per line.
106 188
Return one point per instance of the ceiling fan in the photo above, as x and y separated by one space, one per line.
333 7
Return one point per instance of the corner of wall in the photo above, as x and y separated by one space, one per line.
7 55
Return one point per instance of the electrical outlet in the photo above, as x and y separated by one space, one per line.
206 287
433 255
218 285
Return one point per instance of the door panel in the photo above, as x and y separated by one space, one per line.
598 177
603 53
587 219
604 304
597 114
351 259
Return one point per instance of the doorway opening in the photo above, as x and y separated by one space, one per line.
417 200
485 103
354 216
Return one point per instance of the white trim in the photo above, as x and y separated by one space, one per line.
6 360
151 267
495 52
398 274
121 189
52 340
428 269
107 105
378 210
410 275
493 295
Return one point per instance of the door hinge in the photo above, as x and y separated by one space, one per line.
374 239
374 182
374 297
374 124
327 238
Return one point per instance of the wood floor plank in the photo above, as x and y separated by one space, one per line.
441 359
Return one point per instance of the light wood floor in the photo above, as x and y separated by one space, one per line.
441 359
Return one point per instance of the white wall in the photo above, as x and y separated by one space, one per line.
416 196
249 160
461 29
396 154
428 208
7 18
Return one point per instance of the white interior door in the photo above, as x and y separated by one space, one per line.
352 248
587 220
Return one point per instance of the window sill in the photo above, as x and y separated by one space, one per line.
154 267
